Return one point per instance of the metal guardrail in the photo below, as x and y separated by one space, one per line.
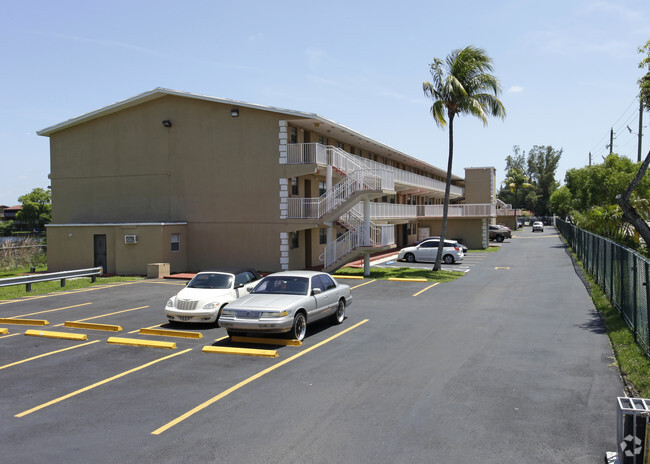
62 276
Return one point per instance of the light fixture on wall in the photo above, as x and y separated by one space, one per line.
234 113
167 123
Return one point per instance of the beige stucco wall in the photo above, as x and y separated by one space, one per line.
480 185
72 247
469 231
218 173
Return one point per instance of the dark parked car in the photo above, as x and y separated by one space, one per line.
499 233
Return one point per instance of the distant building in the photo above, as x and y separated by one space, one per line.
198 181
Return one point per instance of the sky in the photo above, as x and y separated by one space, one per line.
568 70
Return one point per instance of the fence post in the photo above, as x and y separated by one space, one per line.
634 296
647 299
611 273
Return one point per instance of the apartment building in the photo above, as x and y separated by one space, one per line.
197 181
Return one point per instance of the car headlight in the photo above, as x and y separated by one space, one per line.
170 303
228 312
211 306
274 314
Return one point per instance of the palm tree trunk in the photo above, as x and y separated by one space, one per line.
445 208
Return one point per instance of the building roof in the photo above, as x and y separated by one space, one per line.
336 130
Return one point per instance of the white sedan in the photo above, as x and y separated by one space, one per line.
208 292
285 302
428 251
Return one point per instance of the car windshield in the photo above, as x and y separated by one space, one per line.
210 280
283 284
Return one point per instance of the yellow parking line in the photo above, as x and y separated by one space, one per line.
243 383
414 279
105 381
430 286
56 309
48 354
104 315
365 283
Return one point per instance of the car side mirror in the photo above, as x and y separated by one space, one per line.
250 289
316 291
239 285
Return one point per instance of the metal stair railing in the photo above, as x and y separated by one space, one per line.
378 235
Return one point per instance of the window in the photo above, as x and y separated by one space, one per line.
176 242
322 236
316 283
294 240
322 187
294 186
326 282
323 140
293 137
243 278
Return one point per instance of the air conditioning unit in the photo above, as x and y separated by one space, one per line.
130 239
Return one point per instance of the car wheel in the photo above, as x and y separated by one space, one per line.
409 257
448 259
339 315
499 238
299 328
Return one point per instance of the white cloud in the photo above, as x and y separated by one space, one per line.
515 89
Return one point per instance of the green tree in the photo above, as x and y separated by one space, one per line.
462 84
644 81
542 164
516 181
598 185
37 208
561 202
7 228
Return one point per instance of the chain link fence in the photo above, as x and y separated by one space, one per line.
620 272
21 252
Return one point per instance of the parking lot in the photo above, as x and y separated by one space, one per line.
506 364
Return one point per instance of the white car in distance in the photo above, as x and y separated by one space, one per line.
427 251
208 292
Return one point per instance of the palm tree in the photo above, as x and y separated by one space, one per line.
516 181
463 83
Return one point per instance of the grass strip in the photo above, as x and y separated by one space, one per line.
631 360
40 288
384 273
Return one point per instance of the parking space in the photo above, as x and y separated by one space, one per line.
410 363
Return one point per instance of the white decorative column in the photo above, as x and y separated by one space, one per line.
284 251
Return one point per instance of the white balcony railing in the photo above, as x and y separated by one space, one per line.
386 211
315 153
480 210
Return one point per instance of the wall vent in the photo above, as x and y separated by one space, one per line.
130 239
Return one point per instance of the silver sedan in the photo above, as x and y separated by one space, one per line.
285 302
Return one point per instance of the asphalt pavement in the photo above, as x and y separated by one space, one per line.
508 364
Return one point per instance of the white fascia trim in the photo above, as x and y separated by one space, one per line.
159 92
117 224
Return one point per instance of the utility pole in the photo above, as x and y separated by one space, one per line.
589 158
611 141
638 156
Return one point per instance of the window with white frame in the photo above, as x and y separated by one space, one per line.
176 242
